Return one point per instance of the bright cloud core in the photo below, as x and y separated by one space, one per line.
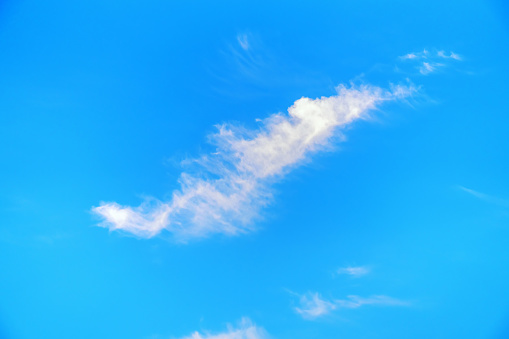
233 183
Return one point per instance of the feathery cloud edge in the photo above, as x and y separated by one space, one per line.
354 271
233 183
245 330
313 306
486 197
430 65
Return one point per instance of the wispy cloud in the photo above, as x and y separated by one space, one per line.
425 54
409 56
451 55
355 272
243 41
486 197
248 66
313 306
354 301
429 67
247 59
428 61
228 188
245 330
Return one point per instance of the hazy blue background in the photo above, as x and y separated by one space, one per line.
101 100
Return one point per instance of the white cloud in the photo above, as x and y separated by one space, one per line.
354 301
451 55
455 56
313 306
230 186
409 56
355 272
428 60
243 41
486 197
415 55
245 330
429 67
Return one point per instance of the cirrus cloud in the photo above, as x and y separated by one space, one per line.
313 306
354 271
430 61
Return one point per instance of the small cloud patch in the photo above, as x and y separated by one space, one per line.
355 272
243 41
427 62
312 306
245 330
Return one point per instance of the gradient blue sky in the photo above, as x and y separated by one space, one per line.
395 225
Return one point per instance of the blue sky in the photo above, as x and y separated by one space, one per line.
234 170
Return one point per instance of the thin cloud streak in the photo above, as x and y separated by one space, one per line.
486 197
230 186
243 41
355 272
245 330
354 301
313 306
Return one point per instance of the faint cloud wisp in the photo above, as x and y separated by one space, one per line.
243 41
428 67
354 301
428 61
313 306
245 330
355 272
486 197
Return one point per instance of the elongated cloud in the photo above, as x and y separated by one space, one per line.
486 197
230 186
313 306
355 272
354 301
451 55
243 41
245 330
430 55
